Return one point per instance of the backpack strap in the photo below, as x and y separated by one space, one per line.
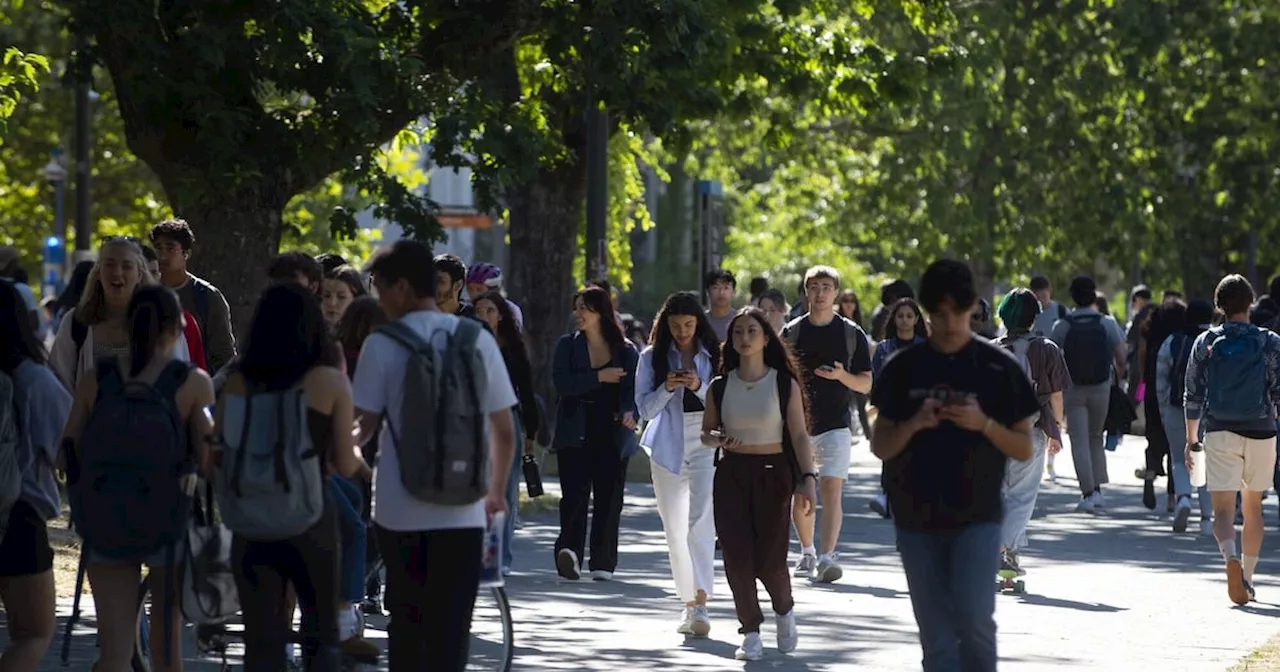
110 378
850 341
237 469
784 401
464 338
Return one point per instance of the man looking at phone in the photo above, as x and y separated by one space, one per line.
836 362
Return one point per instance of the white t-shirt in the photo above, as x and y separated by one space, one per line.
379 388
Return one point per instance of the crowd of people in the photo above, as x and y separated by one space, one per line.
385 410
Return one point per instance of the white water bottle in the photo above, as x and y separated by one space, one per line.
1198 477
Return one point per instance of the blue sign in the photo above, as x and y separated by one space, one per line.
55 259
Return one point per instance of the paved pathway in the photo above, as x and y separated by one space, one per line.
1112 592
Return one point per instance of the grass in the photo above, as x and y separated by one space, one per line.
545 504
66 555
1265 658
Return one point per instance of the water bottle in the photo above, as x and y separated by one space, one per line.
1198 477
532 477
491 558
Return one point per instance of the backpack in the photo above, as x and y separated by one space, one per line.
852 332
1019 346
270 485
126 500
209 577
784 398
1086 351
442 447
10 469
1062 312
1181 351
1238 375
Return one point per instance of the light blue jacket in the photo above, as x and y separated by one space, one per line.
663 436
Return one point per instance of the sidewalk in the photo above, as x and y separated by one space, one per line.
1113 592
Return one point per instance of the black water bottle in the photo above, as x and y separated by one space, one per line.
532 477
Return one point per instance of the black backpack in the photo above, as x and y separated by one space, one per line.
784 398
1086 350
1180 348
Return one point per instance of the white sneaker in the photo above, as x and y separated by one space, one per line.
1182 512
1098 501
699 621
788 637
805 566
752 648
601 575
829 570
567 564
1086 504
1206 528
1053 475
686 622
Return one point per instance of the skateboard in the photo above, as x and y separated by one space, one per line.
1008 582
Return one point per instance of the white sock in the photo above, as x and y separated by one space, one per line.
1250 562
346 624
1228 548
288 652
809 550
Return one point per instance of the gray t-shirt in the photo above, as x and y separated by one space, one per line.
721 325
1043 326
1115 333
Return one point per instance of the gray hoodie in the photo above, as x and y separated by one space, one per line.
44 405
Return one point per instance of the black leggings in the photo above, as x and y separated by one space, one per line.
432 579
310 562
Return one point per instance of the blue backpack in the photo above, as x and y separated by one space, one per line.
1238 375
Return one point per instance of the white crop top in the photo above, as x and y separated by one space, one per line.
750 413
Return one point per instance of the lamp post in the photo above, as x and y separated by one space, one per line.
55 256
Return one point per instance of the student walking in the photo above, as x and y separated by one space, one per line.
671 391
1232 387
953 412
756 416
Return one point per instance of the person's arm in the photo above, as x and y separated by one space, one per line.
798 429
1273 365
568 381
62 356
1120 350
1054 382
522 378
368 389
711 421
893 426
1195 386
1055 405
219 336
1164 363
502 445
650 400
857 375
499 397
347 458
81 407
199 425
1014 442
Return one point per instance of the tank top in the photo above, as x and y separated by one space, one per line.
750 413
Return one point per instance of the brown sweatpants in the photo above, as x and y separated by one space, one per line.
752 503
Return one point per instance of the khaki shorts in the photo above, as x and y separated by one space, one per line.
1234 462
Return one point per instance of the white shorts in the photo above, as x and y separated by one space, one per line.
1234 462
833 451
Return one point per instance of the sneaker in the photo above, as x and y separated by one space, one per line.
1237 589
686 622
601 575
1086 504
1183 513
567 564
360 649
1253 597
829 570
880 504
699 621
1098 501
788 637
1142 474
1009 563
1206 528
506 570
371 606
752 648
806 566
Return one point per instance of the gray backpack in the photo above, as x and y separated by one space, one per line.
270 485
442 446
10 471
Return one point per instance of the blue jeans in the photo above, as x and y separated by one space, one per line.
513 492
1021 485
951 575
348 501
1175 428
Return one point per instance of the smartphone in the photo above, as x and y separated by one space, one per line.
826 368
717 433
681 372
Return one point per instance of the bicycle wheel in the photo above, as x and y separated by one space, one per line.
142 639
492 632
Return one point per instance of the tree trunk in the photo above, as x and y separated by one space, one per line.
235 240
545 213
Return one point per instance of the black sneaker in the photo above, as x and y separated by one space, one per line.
371 606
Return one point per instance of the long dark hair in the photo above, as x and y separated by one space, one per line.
891 330
153 310
70 296
509 336
287 338
777 354
358 322
680 304
599 302
17 339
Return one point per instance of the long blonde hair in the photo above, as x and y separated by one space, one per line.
92 308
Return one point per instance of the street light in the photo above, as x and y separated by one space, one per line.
54 173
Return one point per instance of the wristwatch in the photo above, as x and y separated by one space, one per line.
809 474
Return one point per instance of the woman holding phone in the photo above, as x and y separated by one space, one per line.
671 391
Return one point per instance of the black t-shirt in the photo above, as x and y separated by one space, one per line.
949 477
829 400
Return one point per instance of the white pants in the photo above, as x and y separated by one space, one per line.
684 503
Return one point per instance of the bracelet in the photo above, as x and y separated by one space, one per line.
809 474
986 426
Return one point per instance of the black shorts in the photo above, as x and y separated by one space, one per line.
25 550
